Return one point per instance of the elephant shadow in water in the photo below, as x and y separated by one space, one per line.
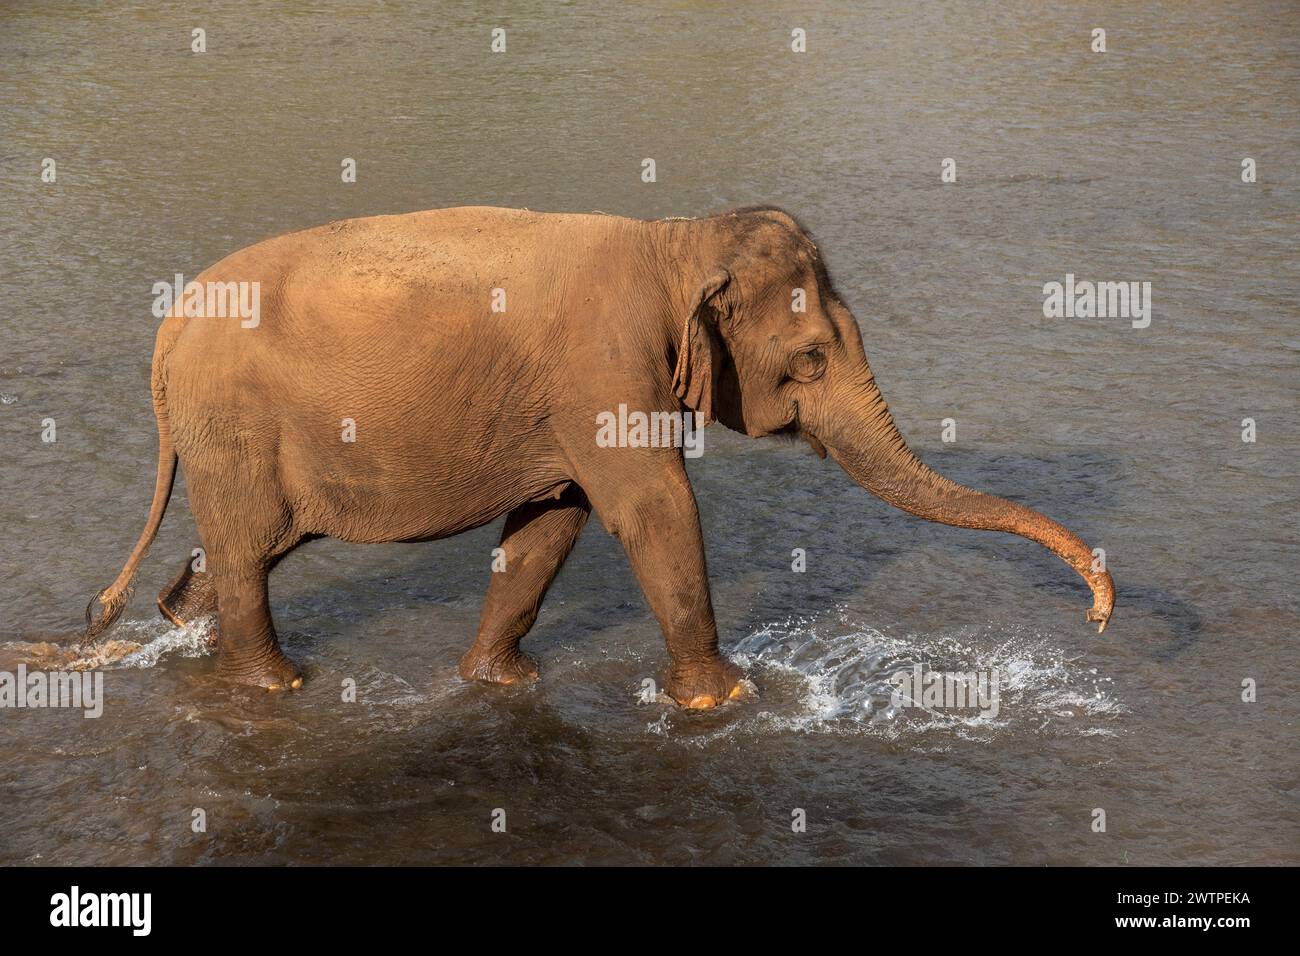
756 507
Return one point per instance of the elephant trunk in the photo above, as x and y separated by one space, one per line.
867 444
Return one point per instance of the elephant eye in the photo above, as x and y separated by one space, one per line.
808 366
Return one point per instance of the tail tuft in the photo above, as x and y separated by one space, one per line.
110 610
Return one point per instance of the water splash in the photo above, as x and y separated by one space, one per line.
133 644
842 678
193 640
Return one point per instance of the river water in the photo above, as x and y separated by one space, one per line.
1116 166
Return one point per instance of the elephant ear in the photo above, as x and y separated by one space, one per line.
699 354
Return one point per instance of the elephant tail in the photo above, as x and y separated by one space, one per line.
114 598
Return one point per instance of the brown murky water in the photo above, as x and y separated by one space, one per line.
1117 166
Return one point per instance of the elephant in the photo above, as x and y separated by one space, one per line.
473 350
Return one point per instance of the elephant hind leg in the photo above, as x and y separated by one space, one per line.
536 540
248 650
246 526
189 597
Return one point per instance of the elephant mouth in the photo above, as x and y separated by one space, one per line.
813 442
795 429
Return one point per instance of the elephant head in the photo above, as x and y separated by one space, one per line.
768 348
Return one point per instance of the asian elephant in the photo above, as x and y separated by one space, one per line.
472 351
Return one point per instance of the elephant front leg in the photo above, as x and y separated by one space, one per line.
535 541
658 523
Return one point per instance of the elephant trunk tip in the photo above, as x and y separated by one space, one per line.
1103 599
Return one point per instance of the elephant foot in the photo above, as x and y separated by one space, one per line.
497 667
189 597
275 673
704 686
